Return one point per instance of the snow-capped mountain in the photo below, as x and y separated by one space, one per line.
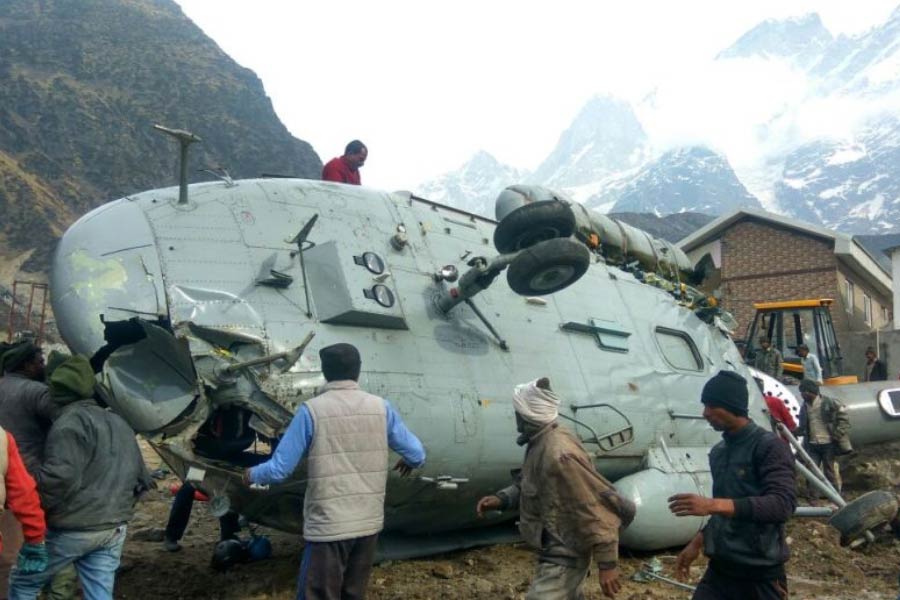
474 186
800 40
849 180
604 138
868 63
808 122
691 179
852 185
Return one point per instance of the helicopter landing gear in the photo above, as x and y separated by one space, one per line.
548 266
869 511
533 223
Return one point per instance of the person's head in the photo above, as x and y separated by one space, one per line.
340 362
802 350
809 389
72 380
535 403
355 154
871 354
764 342
725 399
54 359
26 359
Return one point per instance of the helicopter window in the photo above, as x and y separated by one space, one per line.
890 402
679 349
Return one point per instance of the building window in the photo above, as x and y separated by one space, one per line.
867 309
848 296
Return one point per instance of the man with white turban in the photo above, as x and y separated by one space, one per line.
567 510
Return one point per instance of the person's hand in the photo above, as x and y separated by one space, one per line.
403 468
488 503
32 559
609 582
691 505
245 477
686 558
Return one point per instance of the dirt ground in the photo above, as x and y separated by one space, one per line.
819 569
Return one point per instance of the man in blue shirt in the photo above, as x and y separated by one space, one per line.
345 433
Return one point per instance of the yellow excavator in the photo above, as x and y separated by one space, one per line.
791 323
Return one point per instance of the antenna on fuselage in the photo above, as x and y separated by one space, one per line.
185 139
300 239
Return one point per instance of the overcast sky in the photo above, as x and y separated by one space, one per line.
426 84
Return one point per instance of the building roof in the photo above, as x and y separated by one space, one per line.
869 264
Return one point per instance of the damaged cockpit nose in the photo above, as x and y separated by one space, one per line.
148 373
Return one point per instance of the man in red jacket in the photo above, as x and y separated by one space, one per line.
19 494
345 169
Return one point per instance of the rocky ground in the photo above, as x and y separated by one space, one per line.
820 569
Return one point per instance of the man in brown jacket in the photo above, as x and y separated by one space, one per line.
567 510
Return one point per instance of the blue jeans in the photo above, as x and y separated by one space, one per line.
96 557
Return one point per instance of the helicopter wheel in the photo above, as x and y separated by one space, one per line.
548 267
533 223
866 512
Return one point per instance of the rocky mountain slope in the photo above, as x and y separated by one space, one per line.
81 83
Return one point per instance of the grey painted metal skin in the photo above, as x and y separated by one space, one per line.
198 265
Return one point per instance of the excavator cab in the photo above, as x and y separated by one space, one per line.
792 323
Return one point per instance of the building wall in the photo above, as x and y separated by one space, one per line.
765 263
895 264
849 314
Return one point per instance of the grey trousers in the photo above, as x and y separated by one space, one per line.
556 582
336 570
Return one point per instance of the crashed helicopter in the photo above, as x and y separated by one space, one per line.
213 298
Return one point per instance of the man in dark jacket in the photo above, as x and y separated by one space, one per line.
876 370
753 497
26 412
91 477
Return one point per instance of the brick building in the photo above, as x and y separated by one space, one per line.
761 257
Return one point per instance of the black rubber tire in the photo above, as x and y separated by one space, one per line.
869 511
548 267
532 223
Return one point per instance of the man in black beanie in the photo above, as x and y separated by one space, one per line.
753 497
345 434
